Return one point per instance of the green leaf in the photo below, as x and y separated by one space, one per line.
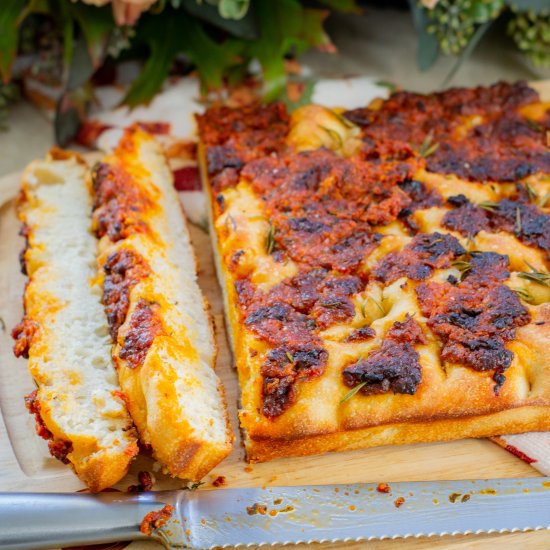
164 37
213 60
10 12
96 24
168 34
80 68
428 46
342 6
468 50
246 27
286 27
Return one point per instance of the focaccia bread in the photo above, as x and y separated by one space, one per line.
78 405
164 348
385 269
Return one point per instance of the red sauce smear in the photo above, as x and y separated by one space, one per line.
156 519
145 326
58 448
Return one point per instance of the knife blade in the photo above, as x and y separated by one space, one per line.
275 515
282 515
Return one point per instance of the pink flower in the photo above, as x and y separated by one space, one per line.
125 12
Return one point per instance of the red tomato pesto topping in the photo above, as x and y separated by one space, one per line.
325 212
59 448
119 205
156 519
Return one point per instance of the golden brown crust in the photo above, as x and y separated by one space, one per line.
271 208
525 419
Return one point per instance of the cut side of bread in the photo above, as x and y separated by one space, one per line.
78 405
164 346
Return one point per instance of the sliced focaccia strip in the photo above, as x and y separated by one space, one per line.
164 343
78 404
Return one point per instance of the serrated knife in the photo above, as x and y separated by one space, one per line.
276 515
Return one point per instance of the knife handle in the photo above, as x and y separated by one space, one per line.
33 521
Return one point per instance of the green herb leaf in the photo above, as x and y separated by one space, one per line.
270 239
332 304
192 486
289 357
488 205
96 24
463 266
364 306
531 193
387 84
540 277
334 136
428 146
518 225
352 392
524 294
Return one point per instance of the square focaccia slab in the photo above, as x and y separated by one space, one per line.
385 269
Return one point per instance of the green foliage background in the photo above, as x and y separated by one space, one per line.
221 37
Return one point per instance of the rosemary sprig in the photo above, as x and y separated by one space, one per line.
523 294
518 221
289 356
331 304
387 84
352 392
192 486
343 120
428 146
540 277
364 306
334 136
463 266
488 205
534 125
531 193
270 238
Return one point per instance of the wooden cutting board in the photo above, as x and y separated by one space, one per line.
25 464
